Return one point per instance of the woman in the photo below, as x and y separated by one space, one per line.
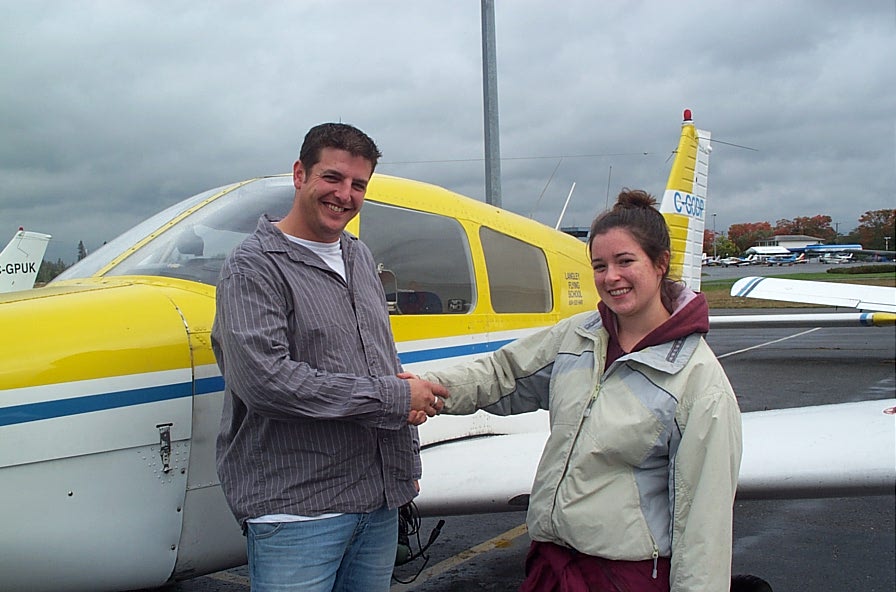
635 486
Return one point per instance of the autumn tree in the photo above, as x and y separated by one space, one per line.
874 228
818 226
747 234
708 239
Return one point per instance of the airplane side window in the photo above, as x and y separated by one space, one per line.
517 273
423 259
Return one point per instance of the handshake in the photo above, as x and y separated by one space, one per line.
426 398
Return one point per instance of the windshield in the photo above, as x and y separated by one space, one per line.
193 248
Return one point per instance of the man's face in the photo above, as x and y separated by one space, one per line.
330 194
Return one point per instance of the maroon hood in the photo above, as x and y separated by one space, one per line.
690 314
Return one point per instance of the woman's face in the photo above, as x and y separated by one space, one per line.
626 279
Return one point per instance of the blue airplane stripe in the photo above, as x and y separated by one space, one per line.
77 405
205 386
751 285
453 351
866 319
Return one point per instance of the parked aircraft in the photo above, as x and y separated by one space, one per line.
110 397
711 261
836 258
781 260
20 260
738 261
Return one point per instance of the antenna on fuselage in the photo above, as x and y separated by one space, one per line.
560 219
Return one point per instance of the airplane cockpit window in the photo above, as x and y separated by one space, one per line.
193 248
517 273
423 259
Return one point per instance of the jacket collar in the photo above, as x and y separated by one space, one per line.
669 357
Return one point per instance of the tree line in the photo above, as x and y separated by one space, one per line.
876 230
48 269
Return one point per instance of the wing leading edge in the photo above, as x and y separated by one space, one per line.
873 298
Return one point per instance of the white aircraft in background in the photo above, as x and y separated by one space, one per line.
836 258
781 260
20 260
110 397
738 261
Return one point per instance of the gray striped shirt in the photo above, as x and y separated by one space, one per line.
314 419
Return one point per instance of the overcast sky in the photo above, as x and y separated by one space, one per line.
113 110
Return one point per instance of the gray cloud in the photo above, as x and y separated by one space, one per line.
111 111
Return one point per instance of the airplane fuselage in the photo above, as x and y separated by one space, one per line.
112 396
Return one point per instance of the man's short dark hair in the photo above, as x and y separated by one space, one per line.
340 136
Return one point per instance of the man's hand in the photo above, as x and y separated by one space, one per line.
417 417
426 398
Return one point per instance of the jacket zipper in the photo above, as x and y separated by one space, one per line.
656 551
593 399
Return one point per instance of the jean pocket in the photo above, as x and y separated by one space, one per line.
264 530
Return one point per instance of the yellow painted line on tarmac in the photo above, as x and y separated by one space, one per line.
502 540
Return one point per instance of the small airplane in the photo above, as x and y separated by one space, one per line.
781 260
711 261
738 261
20 260
110 397
836 258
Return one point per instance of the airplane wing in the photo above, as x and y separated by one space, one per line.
479 475
822 451
874 298
788 454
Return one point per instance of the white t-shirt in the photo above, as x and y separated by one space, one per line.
331 253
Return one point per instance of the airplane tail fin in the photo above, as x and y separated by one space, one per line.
684 202
20 260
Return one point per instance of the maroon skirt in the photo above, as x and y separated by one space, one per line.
552 568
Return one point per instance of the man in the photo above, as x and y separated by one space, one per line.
318 445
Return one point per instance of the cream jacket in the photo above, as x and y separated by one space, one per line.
643 456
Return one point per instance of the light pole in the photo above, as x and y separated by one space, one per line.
713 235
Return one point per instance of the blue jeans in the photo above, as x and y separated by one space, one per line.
348 553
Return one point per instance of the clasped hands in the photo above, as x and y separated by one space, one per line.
426 398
